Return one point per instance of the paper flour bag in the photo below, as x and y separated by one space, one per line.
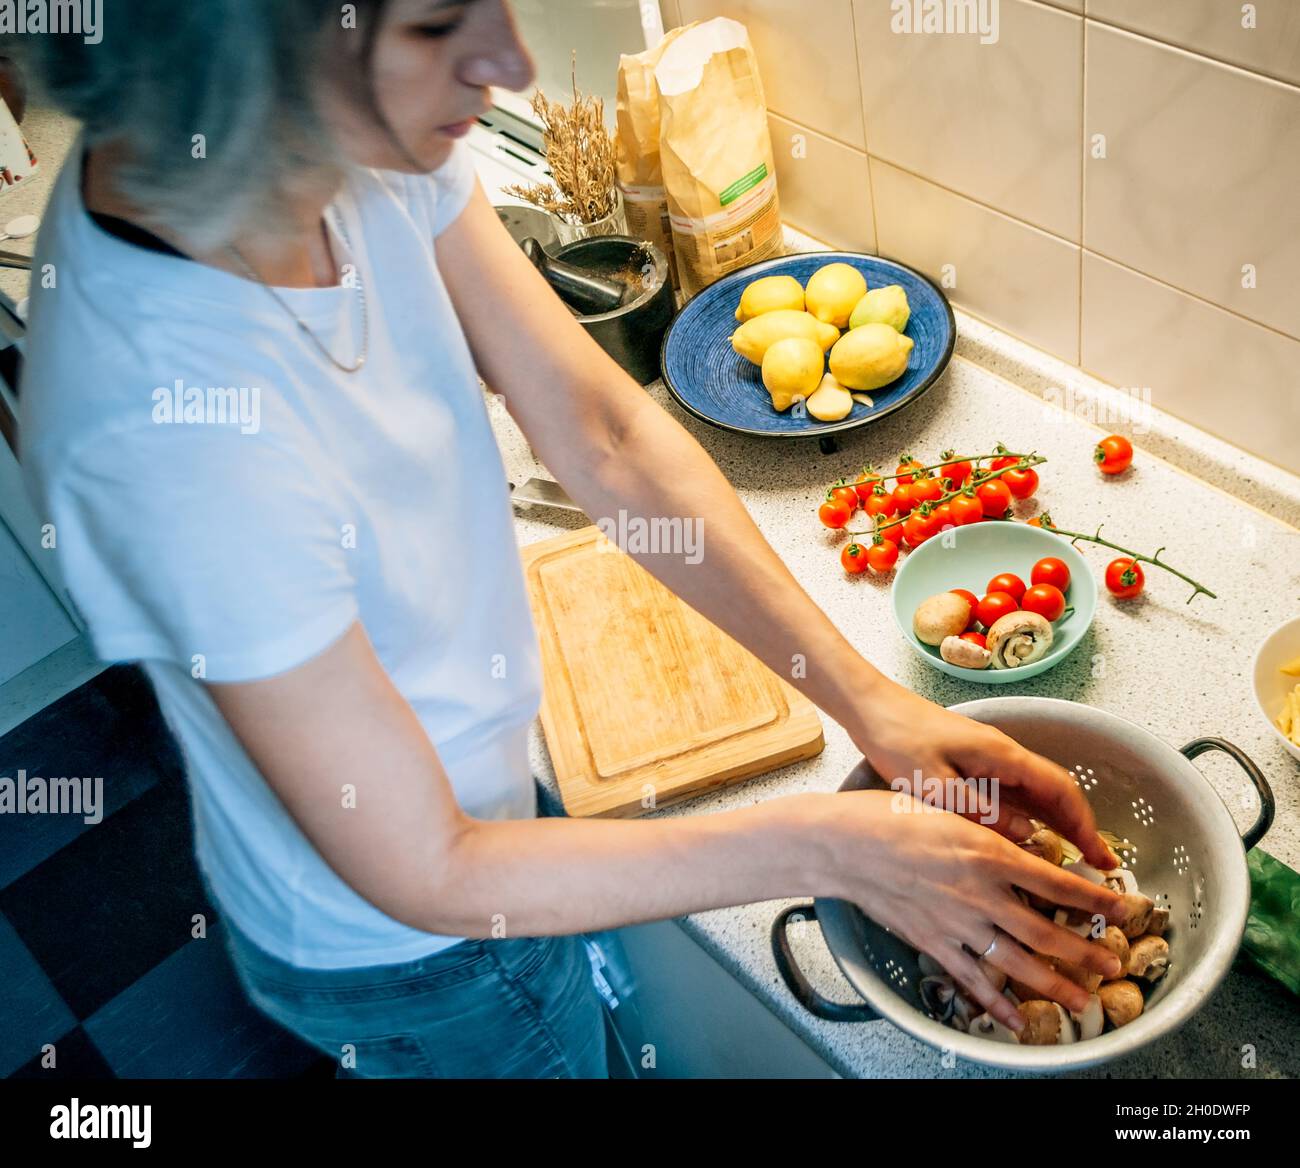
640 176
716 153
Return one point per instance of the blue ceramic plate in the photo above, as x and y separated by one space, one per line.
713 382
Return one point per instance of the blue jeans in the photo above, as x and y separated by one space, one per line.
519 1008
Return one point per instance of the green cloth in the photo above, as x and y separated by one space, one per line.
1272 940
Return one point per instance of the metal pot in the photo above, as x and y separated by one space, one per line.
1189 858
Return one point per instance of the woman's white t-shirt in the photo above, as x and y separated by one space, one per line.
225 503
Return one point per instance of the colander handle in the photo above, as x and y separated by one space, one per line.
798 984
1267 804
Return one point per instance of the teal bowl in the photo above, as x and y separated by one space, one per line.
969 558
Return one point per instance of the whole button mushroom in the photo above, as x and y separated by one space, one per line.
944 615
1149 958
1122 1001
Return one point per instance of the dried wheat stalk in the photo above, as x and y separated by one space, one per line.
580 153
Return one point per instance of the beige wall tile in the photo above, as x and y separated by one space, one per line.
999 122
825 188
671 12
1215 27
807 58
1207 366
1011 274
1200 176
1069 5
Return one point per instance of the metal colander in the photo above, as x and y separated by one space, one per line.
1187 856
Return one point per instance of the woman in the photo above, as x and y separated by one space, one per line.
322 583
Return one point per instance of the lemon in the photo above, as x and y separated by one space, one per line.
883 306
830 401
833 293
792 368
870 357
770 294
755 337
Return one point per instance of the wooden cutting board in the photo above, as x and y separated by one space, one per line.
645 702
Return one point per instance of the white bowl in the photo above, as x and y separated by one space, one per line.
1272 685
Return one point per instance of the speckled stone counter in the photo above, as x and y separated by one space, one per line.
1181 671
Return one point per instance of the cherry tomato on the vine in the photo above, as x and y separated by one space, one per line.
906 466
854 558
1045 599
834 514
904 500
1113 455
1003 460
994 497
993 606
1009 583
926 489
1021 483
920 527
943 512
881 502
893 533
966 509
1050 571
865 485
954 473
846 495
883 555
1125 578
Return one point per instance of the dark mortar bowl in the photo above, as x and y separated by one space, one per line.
633 332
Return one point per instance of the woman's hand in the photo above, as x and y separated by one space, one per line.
941 883
901 734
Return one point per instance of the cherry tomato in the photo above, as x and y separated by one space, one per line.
905 468
927 489
943 513
994 497
1125 578
993 606
1003 460
854 558
846 495
882 556
903 499
919 527
1050 571
1036 521
954 473
834 514
976 639
1021 483
881 502
1113 455
1009 583
893 533
1045 599
865 485
966 509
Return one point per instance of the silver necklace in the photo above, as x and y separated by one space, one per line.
302 324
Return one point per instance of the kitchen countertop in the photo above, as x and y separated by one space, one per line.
1180 670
